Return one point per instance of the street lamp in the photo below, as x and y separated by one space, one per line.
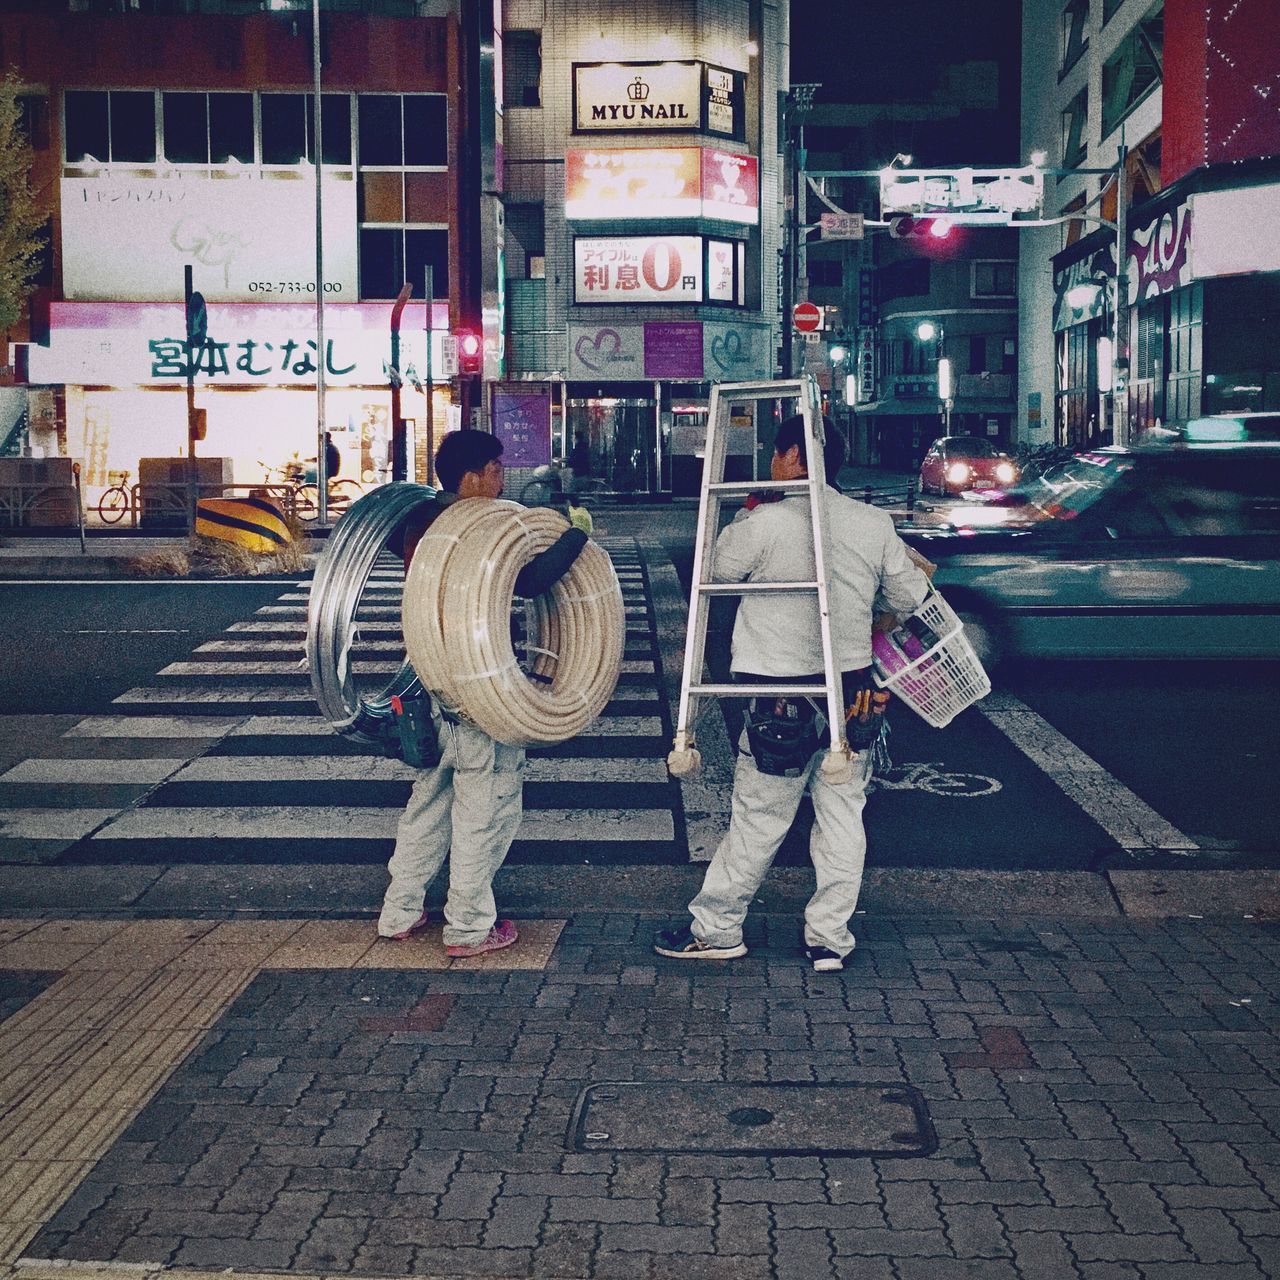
927 331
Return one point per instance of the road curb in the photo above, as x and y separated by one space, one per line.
537 891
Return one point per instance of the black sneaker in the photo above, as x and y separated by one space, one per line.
680 944
824 961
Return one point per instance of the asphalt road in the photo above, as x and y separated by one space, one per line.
1195 741
72 647
1081 756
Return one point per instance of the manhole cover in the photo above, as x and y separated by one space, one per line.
753 1119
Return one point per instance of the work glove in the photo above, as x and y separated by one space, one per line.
580 518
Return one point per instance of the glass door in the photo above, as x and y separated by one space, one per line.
611 442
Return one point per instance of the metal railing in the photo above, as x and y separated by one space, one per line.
891 496
23 504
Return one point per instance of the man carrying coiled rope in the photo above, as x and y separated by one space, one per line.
469 805
776 639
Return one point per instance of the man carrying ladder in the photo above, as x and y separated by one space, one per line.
780 639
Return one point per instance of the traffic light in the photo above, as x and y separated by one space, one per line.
908 227
470 352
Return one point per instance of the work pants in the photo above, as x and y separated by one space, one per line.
764 807
467 808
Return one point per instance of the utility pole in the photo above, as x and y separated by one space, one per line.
1120 344
799 103
429 293
322 470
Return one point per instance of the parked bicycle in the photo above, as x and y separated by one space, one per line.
302 494
553 484
117 501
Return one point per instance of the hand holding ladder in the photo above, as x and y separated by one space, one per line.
684 758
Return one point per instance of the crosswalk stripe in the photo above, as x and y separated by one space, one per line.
328 822
314 726
51 824
280 785
152 769
374 768
123 726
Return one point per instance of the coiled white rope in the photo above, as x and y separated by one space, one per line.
340 578
457 611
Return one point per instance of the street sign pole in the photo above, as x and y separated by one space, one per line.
194 310
429 293
399 452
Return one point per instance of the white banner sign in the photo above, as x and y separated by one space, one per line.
637 95
638 269
121 345
249 239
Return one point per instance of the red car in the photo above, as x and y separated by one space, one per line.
956 463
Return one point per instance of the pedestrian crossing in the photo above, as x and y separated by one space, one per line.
223 758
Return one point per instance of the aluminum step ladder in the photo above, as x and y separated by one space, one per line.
684 758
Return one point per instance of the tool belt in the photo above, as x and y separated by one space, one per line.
415 739
782 734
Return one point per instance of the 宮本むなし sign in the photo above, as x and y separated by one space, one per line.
638 269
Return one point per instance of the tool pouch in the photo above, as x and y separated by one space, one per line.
782 734
417 740
863 731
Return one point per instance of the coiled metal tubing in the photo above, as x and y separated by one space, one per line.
341 575
457 608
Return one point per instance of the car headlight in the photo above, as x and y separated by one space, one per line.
1006 473
958 472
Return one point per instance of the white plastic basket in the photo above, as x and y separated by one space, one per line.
942 680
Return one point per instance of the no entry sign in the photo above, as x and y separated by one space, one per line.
807 317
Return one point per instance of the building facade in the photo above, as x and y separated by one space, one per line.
1180 95
899 299
175 135
643 227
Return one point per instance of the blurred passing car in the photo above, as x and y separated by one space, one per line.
1156 551
956 463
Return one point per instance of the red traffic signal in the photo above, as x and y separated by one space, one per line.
470 352
912 228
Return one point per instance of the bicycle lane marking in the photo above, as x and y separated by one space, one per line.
1127 819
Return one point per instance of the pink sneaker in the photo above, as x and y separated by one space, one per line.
503 934
420 923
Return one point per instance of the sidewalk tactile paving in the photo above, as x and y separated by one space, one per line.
82 1058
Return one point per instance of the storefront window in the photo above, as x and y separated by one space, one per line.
1186 352
1077 383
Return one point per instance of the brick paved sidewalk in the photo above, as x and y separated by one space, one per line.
1105 1096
